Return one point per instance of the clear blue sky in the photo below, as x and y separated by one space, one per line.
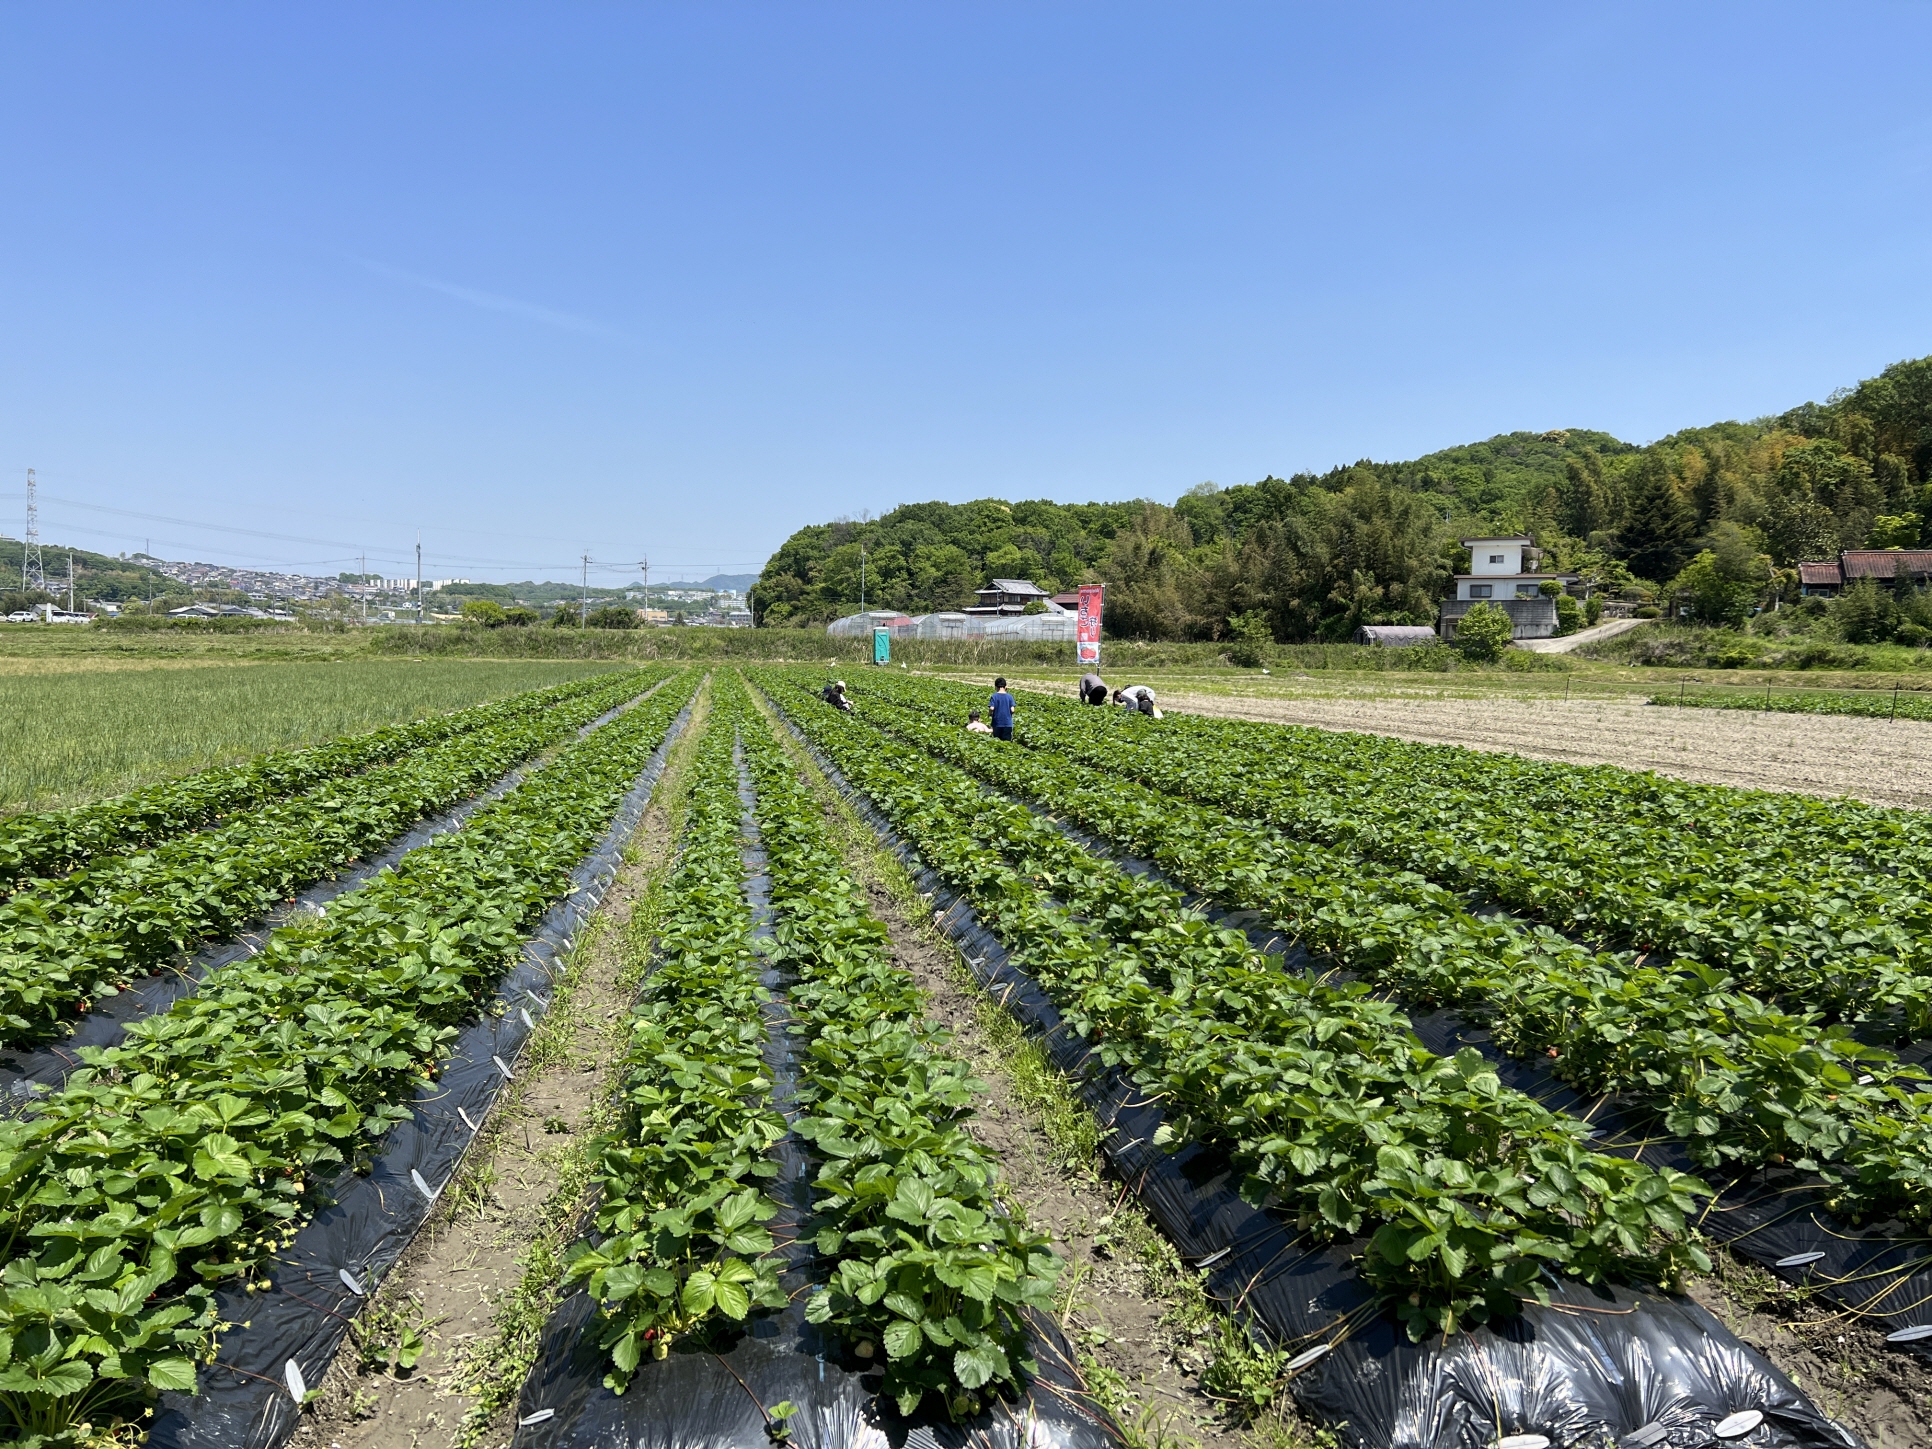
677 279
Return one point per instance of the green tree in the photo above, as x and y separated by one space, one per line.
1863 614
1895 530
1727 579
1712 597
1249 637
1484 632
1142 573
1013 562
1569 614
612 617
1821 499
486 612
1591 502
1656 539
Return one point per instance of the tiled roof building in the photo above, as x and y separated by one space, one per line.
1825 577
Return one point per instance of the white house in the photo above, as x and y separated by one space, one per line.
1502 571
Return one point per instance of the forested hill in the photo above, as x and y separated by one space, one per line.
1376 542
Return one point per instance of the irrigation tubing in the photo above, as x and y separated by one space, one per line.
1595 1365
286 1337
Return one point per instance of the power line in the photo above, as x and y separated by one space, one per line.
286 565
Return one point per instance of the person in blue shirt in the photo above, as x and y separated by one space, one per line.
1001 706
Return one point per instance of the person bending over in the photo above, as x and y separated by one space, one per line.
1093 690
1137 697
834 695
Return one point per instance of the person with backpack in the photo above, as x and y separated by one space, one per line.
1137 697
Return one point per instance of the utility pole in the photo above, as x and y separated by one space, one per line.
645 565
362 585
31 577
70 581
861 578
583 610
419 578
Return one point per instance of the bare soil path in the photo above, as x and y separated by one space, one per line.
1880 1393
1885 762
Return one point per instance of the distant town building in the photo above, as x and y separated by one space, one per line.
227 611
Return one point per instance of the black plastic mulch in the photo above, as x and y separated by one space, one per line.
1596 1367
287 1337
719 1398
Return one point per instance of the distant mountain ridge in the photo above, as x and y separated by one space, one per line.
721 583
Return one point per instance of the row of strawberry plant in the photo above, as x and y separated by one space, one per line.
1758 903
188 1154
50 842
1740 1082
1468 1192
921 1261
1788 925
682 1242
70 939
1796 829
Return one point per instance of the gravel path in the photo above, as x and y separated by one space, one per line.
1887 762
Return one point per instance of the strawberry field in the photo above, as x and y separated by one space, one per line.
1464 1045
1681 1020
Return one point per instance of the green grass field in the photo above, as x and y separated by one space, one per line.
76 729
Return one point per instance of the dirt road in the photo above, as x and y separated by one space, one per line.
1887 762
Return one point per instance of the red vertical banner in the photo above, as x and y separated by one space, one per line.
1086 625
